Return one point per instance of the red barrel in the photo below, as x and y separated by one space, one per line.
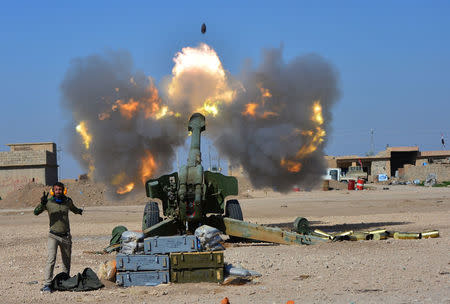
360 184
351 184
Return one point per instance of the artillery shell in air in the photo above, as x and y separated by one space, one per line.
203 29
430 234
407 236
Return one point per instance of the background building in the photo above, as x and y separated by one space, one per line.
403 162
25 163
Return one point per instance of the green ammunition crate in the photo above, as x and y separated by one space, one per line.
191 260
196 275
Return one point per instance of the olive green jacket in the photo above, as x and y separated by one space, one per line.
58 213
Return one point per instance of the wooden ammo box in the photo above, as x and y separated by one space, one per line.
196 275
191 260
142 278
168 244
141 262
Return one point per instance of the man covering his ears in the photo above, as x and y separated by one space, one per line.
57 206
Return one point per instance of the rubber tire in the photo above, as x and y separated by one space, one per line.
151 215
233 210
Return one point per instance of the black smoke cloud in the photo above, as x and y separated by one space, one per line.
257 143
91 87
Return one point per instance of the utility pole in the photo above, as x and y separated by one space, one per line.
371 142
59 160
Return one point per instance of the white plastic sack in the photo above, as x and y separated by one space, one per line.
128 247
209 238
206 232
131 236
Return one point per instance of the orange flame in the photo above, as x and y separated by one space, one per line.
88 158
268 114
313 144
317 113
128 109
202 60
148 166
83 130
291 165
265 92
119 180
258 109
315 138
125 189
250 109
149 105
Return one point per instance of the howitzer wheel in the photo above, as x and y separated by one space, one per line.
151 215
301 225
233 210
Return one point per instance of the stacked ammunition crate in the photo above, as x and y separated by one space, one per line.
142 269
191 267
175 258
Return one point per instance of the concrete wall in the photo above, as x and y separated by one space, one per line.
14 178
380 167
27 158
48 146
26 163
51 175
442 172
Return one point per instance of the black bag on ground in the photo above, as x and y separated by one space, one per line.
85 281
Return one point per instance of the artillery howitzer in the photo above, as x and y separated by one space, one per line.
193 197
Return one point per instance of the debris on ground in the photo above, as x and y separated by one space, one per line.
431 180
239 271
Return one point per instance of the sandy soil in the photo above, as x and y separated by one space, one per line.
388 271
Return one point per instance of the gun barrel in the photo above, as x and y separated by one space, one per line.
196 126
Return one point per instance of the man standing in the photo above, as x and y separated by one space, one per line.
57 206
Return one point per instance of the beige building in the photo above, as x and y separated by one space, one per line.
25 163
405 162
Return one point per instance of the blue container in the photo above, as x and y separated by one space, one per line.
142 278
168 244
382 177
142 262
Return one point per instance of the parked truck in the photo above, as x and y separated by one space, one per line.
354 173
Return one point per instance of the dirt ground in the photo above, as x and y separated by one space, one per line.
387 271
